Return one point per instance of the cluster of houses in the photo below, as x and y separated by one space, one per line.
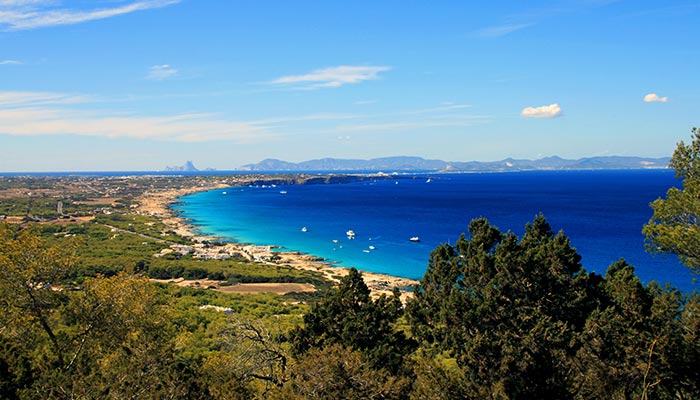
223 252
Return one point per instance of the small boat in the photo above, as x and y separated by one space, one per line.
365 251
351 234
414 239
283 192
428 181
304 229
335 240
372 247
223 192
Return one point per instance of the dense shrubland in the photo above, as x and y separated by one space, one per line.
495 316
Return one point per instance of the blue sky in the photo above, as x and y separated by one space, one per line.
141 84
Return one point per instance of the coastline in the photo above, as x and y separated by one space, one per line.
158 203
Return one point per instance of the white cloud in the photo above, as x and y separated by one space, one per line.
161 72
10 62
654 98
332 76
550 111
33 14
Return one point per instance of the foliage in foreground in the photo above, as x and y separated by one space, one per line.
675 226
523 319
495 316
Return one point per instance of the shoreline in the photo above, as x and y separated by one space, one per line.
158 203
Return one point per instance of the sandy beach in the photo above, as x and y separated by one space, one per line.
158 203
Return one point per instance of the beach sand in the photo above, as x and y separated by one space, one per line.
158 203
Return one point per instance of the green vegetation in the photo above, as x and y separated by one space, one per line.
42 207
349 317
495 316
675 226
523 319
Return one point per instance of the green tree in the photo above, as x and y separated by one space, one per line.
507 310
675 226
249 355
31 275
638 343
522 319
108 338
348 316
337 372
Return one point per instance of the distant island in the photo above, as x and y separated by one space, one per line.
404 163
187 167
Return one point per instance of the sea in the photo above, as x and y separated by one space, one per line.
602 212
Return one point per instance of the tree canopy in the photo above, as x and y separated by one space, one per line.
348 316
495 316
675 226
522 319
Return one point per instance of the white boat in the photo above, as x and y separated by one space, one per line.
304 229
372 247
351 234
365 251
415 239
335 240
283 192
428 181
223 192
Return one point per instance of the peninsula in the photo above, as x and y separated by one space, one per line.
139 206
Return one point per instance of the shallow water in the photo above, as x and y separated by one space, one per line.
601 211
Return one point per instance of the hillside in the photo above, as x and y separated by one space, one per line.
404 163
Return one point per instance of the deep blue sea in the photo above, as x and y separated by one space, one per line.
601 211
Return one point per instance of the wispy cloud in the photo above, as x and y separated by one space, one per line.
518 21
34 99
48 113
308 118
502 30
331 77
445 115
410 125
34 14
161 72
10 62
30 114
654 98
550 111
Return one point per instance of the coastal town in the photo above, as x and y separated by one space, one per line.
76 199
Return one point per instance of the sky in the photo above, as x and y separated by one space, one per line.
138 85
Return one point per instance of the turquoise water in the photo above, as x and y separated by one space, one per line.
601 211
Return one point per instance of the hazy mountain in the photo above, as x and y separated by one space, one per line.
188 167
420 164
333 164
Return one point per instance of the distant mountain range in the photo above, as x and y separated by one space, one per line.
403 163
